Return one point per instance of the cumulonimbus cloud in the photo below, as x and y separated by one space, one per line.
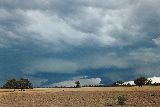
68 36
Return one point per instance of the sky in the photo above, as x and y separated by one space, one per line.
56 42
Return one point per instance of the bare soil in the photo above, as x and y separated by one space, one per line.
81 97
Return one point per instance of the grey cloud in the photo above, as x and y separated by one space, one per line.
51 65
39 27
22 4
107 26
37 81
156 41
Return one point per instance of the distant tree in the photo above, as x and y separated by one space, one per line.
25 84
117 83
129 84
114 84
149 82
77 84
120 82
10 84
140 81
18 84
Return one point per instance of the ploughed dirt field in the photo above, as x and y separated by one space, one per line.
81 97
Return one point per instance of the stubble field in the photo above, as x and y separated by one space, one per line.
81 97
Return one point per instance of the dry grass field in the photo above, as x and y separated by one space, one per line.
81 97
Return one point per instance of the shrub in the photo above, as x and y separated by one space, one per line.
121 100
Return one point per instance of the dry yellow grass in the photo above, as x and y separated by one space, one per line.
80 97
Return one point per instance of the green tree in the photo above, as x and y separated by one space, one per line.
117 83
120 82
25 83
18 84
140 81
10 84
77 84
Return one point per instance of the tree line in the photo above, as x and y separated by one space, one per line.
138 81
26 84
18 84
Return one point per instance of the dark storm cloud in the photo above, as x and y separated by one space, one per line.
66 37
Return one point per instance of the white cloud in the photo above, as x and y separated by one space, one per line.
155 79
83 81
129 82
52 28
